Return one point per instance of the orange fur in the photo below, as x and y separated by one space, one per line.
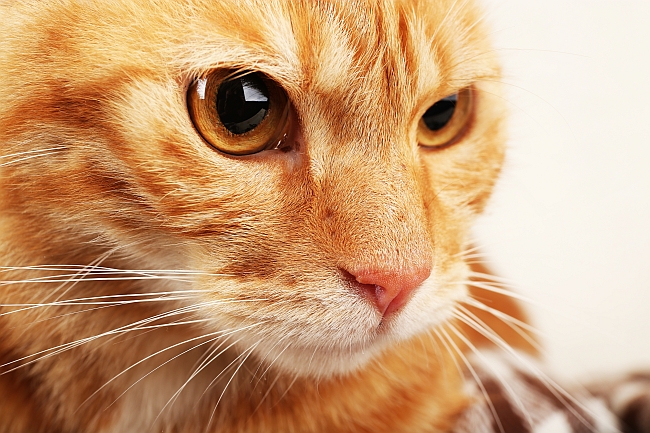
118 177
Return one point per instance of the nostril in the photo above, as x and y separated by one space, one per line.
368 291
387 290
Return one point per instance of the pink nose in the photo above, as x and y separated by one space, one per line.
391 290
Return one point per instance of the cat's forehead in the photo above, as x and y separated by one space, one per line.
406 49
341 45
345 60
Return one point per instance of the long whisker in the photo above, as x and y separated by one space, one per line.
99 272
28 152
266 394
81 271
75 278
205 363
145 359
560 393
466 251
161 295
96 301
46 353
498 287
219 334
514 323
249 350
225 369
504 382
277 377
492 278
450 351
106 304
274 359
476 377
491 288
67 268
206 355
286 391
25 158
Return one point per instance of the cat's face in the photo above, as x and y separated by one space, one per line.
291 241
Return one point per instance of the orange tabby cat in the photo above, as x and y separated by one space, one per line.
246 216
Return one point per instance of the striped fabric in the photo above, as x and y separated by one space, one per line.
629 398
511 394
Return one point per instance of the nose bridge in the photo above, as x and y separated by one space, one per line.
374 209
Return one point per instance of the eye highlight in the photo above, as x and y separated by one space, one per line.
445 120
239 114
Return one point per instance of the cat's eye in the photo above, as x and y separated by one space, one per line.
445 120
239 113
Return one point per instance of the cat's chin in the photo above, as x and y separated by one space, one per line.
334 363
338 360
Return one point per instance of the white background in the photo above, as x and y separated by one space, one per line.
569 223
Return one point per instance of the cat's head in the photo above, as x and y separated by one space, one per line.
300 155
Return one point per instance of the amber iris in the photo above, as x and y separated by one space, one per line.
239 113
445 120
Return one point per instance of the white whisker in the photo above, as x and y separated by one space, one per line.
4 164
476 377
123 329
83 272
249 350
152 371
560 393
106 304
103 269
28 152
286 391
274 359
450 351
489 287
504 282
266 394
504 383
514 323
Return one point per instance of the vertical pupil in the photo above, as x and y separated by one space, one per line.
440 113
242 103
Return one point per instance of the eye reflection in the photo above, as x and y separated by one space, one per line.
242 115
242 103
